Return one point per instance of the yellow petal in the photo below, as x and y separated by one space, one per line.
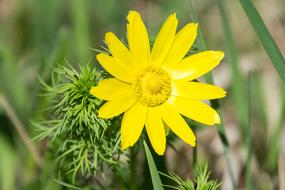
119 50
116 107
132 125
195 110
110 89
177 124
196 90
197 65
181 45
116 68
155 131
138 38
164 39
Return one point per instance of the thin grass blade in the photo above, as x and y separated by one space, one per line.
156 182
265 37
248 165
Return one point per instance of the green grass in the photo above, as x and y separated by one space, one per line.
156 182
265 37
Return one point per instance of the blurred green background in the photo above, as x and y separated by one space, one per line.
37 34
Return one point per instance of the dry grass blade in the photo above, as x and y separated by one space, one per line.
20 130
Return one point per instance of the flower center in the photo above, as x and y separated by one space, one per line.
152 86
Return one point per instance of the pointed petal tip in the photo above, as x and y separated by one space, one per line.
160 153
193 27
124 146
132 14
100 114
222 92
103 115
92 91
102 56
173 18
99 56
193 142
174 14
217 119
225 93
108 36
193 24
219 55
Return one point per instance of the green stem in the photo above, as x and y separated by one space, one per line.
248 171
265 37
215 103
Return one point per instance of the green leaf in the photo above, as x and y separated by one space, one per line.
265 37
156 182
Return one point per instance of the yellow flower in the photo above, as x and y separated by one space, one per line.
151 86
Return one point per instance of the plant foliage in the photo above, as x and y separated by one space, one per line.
201 181
86 142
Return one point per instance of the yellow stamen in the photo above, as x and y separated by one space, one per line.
152 86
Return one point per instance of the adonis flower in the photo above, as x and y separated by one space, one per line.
153 86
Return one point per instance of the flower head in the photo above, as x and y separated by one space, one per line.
151 85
